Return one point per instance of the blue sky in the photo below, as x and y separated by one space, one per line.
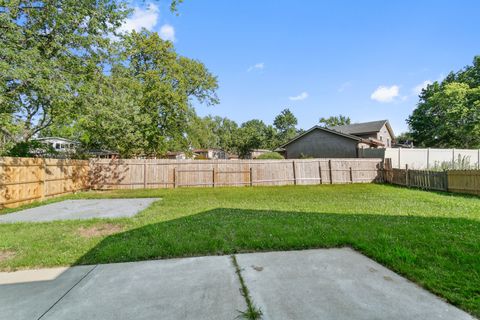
364 59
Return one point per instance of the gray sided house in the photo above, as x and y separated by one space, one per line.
379 132
339 142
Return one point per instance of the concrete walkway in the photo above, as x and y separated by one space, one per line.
80 210
311 284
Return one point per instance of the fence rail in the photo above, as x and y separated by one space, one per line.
23 180
131 174
458 181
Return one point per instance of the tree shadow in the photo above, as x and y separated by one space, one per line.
441 254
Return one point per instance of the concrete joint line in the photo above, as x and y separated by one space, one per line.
252 312
56 302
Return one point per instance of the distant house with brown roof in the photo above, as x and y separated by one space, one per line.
340 141
379 131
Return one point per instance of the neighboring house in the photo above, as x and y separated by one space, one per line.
211 154
177 155
62 146
321 142
65 147
379 132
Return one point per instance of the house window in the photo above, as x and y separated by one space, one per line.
381 138
388 142
57 146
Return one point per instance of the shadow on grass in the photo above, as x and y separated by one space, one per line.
441 254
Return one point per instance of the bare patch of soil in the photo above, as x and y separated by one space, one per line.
101 230
6 254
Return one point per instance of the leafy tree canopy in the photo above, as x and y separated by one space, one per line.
448 113
285 123
333 121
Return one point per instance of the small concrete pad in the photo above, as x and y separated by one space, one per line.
192 288
21 300
336 284
80 210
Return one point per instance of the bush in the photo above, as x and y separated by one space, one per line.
271 156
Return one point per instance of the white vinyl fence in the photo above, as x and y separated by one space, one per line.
424 159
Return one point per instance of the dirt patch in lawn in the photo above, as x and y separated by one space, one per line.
97 231
6 255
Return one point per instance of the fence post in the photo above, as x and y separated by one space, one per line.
174 178
251 177
478 160
399 158
330 170
428 158
294 173
453 158
351 175
213 178
406 175
320 172
145 174
445 180
44 179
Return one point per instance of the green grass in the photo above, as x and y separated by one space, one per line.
431 238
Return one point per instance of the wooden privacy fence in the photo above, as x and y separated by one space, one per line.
459 181
140 173
23 180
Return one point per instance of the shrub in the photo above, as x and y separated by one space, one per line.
271 156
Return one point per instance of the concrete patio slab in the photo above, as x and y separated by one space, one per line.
80 209
24 300
192 288
336 284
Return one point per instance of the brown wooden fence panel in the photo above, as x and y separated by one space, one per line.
140 173
23 180
464 181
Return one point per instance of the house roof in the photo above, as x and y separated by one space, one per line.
364 127
56 138
345 135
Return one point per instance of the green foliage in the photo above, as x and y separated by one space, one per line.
48 50
285 123
143 106
404 138
212 132
254 134
333 121
270 155
461 163
448 113
30 149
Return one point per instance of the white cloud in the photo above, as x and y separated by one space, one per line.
301 96
418 89
257 66
142 18
167 32
386 94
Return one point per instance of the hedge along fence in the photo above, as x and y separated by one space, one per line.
459 181
140 173
23 180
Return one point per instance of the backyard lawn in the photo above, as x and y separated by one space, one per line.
431 238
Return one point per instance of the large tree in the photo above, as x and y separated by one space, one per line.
48 50
143 107
333 121
448 113
213 132
285 123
